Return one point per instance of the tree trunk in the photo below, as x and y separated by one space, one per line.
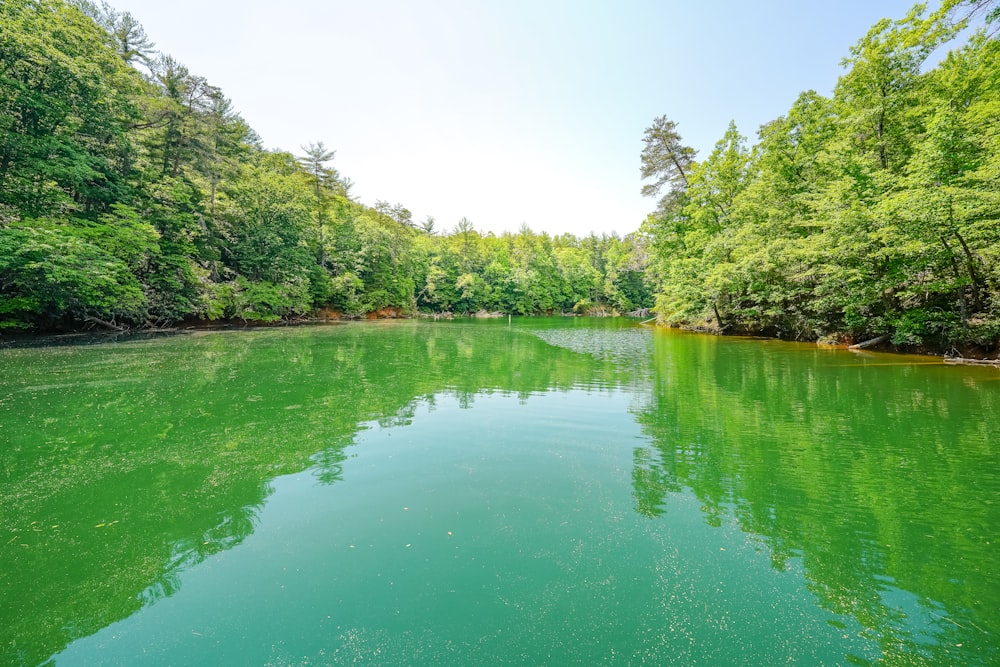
963 308
103 323
970 263
868 343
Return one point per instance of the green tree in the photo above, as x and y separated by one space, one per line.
65 109
323 179
127 35
664 158
51 274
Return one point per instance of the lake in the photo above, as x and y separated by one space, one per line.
545 491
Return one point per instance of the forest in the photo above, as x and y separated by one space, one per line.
872 212
133 194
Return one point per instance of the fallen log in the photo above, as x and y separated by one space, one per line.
107 325
868 343
972 362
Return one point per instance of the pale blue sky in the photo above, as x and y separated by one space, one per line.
507 111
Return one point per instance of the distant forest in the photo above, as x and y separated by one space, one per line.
132 194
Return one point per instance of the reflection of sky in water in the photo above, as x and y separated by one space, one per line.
627 346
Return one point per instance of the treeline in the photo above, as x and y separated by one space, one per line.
874 211
133 194
527 273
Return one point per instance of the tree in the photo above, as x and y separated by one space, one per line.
427 226
963 12
267 211
125 32
882 86
186 104
131 39
715 184
65 108
323 178
50 272
665 158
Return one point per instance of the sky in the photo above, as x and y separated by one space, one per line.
507 112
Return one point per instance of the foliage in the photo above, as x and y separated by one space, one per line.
874 211
528 273
49 268
131 193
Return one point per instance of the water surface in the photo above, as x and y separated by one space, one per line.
547 492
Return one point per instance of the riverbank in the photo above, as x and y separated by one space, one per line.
954 353
91 326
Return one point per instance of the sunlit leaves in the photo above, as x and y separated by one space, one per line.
872 212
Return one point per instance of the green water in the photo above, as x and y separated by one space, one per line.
476 493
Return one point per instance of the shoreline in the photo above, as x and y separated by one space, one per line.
969 354
957 354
